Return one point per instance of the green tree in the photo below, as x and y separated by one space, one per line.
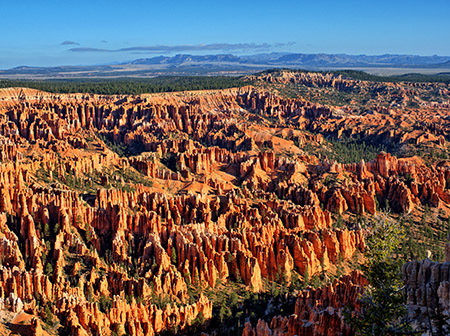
48 318
46 230
222 312
105 304
173 256
48 269
234 299
306 278
383 310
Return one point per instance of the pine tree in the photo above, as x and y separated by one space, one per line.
306 278
173 256
383 310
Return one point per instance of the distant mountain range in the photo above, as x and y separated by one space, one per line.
309 60
227 64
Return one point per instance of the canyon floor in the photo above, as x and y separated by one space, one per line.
241 211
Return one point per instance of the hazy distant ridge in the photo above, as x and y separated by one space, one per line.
319 60
228 64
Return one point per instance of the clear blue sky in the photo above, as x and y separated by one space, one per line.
56 32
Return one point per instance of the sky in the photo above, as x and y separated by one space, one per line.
55 32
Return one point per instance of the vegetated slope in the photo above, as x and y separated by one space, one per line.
201 211
128 85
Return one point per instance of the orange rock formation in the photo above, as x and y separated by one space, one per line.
204 193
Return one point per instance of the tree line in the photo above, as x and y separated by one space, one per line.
129 85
